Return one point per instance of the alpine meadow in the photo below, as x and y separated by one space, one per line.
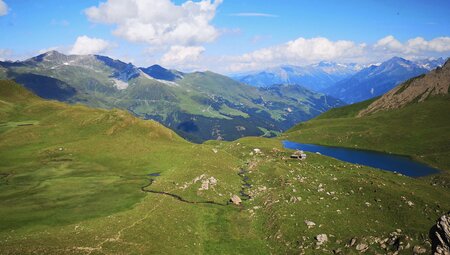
224 127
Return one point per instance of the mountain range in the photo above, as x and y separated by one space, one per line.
315 77
376 80
411 119
199 106
348 82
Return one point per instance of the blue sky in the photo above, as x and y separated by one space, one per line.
227 36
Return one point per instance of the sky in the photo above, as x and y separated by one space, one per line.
227 36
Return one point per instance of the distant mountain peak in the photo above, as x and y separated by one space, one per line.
417 89
395 58
161 73
315 76
326 64
375 80
49 55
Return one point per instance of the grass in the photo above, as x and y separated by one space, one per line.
334 195
71 183
420 130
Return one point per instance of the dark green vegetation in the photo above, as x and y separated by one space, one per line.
198 106
71 179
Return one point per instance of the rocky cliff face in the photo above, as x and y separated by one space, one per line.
417 89
440 235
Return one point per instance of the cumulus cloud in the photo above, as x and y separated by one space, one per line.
416 45
388 43
56 48
304 51
299 51
158 22
3 8
182 55
87 45
5 54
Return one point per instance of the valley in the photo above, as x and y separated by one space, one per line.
101 206
224 127
195 105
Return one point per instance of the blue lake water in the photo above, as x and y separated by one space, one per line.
389 162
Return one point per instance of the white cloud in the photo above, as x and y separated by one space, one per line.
254 14
184 56
3 8
414 46
304 51
388 43
56 48
158 22
86 45
5 54
299 52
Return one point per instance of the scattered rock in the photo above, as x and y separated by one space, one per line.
293 200
215 150
362 247
337 251
212 181
310 224
236 200
419 250
207 182
352 242
321 239
257 151
205 185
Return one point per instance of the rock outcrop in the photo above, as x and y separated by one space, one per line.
236 200
321 239
440 235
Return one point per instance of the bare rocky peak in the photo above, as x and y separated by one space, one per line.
417 89
54 59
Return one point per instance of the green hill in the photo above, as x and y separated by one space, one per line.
413 119
78 180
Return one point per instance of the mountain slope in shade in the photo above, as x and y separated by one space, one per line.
314 77
159 72
417 89
199 106
375 80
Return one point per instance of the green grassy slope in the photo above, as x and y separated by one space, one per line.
61 165
420 130
71 179
345 201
